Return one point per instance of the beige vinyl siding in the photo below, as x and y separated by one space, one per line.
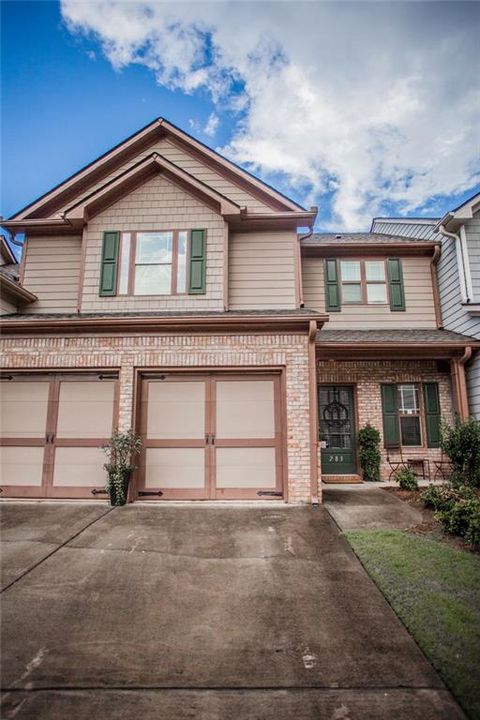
52 273
154 206
262 270
190 164
7 307
419 303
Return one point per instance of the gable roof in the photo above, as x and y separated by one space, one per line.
453 219
420 228
66 191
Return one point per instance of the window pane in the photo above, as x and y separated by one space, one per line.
154 248
352 293
182 262
410 430
408 399
375 270
124 264
376 293
153 279
350 270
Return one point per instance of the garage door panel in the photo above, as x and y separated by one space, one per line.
21 466
79 467
24 407
176 410
245 409
85 409
181 468
248 467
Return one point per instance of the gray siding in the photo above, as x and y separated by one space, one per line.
472 231
420 230
473 383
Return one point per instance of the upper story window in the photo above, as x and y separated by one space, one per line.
363 282
171 262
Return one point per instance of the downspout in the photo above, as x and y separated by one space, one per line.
299 265
312 377
461 256
436 291
459 381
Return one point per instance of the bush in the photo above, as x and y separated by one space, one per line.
444 497
369 441
406 479
461 442
462 519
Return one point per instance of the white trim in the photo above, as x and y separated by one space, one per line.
466 264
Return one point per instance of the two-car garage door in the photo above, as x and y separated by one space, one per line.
210 436
52 429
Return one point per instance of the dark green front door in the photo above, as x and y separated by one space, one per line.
337 429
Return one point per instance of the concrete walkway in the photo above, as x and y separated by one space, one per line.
356 507
200 612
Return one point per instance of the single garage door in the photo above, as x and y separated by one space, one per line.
52 430
211 437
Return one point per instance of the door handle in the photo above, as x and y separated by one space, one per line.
207 438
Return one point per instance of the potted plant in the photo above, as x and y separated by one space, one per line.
121 452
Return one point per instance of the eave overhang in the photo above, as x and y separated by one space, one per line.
327 350
192 323
14 290
370 249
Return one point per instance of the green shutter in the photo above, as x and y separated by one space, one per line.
395 283
432 413
332 290
108 273
391 429
197 262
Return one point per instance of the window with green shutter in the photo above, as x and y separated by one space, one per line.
432 413
395 284
109 268
332 289
197 274
391 425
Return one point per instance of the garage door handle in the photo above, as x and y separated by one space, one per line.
269 493
146 492
99 492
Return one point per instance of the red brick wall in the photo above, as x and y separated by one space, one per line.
125 353
367 376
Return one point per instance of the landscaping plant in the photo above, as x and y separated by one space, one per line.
444 497
462 519
121 452
369 442
406 479
461 442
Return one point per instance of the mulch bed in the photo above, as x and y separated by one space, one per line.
429 527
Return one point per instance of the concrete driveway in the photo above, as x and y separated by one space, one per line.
175 612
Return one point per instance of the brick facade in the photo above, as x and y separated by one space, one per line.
195 351
367 377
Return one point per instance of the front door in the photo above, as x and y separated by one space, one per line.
210 437
337 429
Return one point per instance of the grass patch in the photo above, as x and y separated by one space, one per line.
435 590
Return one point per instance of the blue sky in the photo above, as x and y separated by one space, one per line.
360 108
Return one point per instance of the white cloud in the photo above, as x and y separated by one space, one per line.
375 102
211 125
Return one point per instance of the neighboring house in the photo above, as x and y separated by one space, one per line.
175 295
458 273
12 295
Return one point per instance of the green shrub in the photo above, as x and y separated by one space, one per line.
444 497
406 479
461 442
462 519
369 442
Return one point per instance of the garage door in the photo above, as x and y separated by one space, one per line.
52 429
211 437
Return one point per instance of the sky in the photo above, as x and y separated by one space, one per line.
361 108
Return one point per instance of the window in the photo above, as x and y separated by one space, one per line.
363 282
153 263
409 415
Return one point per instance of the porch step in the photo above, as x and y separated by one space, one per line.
344 479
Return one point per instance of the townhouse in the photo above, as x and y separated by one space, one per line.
164 288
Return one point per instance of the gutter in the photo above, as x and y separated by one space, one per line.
161 324
17 290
